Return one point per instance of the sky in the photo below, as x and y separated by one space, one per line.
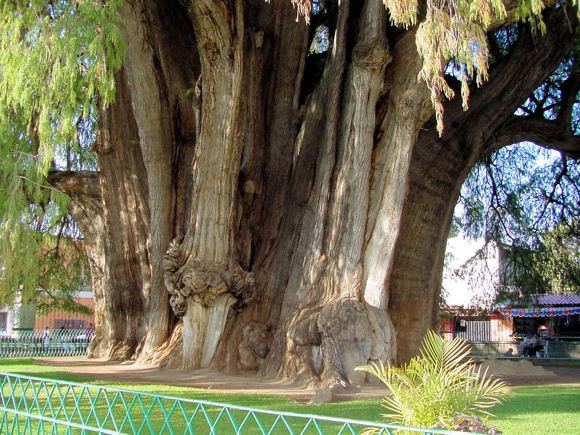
477 283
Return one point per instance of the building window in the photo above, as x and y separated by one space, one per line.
3 321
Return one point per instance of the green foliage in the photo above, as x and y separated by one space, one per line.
455 30
552 267
55 59
64 271
530 11
431 389
58 266
527 200
58 61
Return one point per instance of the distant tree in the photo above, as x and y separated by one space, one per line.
526 201
63 274
552 266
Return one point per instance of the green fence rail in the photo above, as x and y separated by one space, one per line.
45 342
30 405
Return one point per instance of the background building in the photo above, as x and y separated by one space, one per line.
28 316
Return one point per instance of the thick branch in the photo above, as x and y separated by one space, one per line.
507 89
540 131
77 185
570 90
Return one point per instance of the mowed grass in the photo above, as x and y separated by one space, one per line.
553 409
364 409
540 409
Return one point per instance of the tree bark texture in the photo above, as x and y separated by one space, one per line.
276 210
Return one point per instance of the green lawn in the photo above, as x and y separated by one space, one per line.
541 409
530 410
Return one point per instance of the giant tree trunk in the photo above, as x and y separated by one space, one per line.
294 222
113 217
439 167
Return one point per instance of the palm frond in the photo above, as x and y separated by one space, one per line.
442 382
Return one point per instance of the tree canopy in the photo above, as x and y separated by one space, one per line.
526 198
57 61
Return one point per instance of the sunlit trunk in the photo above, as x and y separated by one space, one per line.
262 214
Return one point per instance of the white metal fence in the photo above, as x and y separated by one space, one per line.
476 330
45 342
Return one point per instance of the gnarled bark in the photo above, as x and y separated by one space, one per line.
291 231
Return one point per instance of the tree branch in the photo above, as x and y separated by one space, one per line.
507 87
551 197
76 184
569 91
542 132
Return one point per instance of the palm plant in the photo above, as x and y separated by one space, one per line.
435 387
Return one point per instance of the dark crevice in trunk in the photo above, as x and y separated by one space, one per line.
315 61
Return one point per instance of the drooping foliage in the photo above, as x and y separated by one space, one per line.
64 270
58 61
455 30
452 31
56 58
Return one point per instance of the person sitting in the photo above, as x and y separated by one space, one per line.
532 344
528 344
537 347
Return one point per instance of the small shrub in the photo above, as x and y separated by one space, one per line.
433 388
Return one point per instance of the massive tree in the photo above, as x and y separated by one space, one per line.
277 195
